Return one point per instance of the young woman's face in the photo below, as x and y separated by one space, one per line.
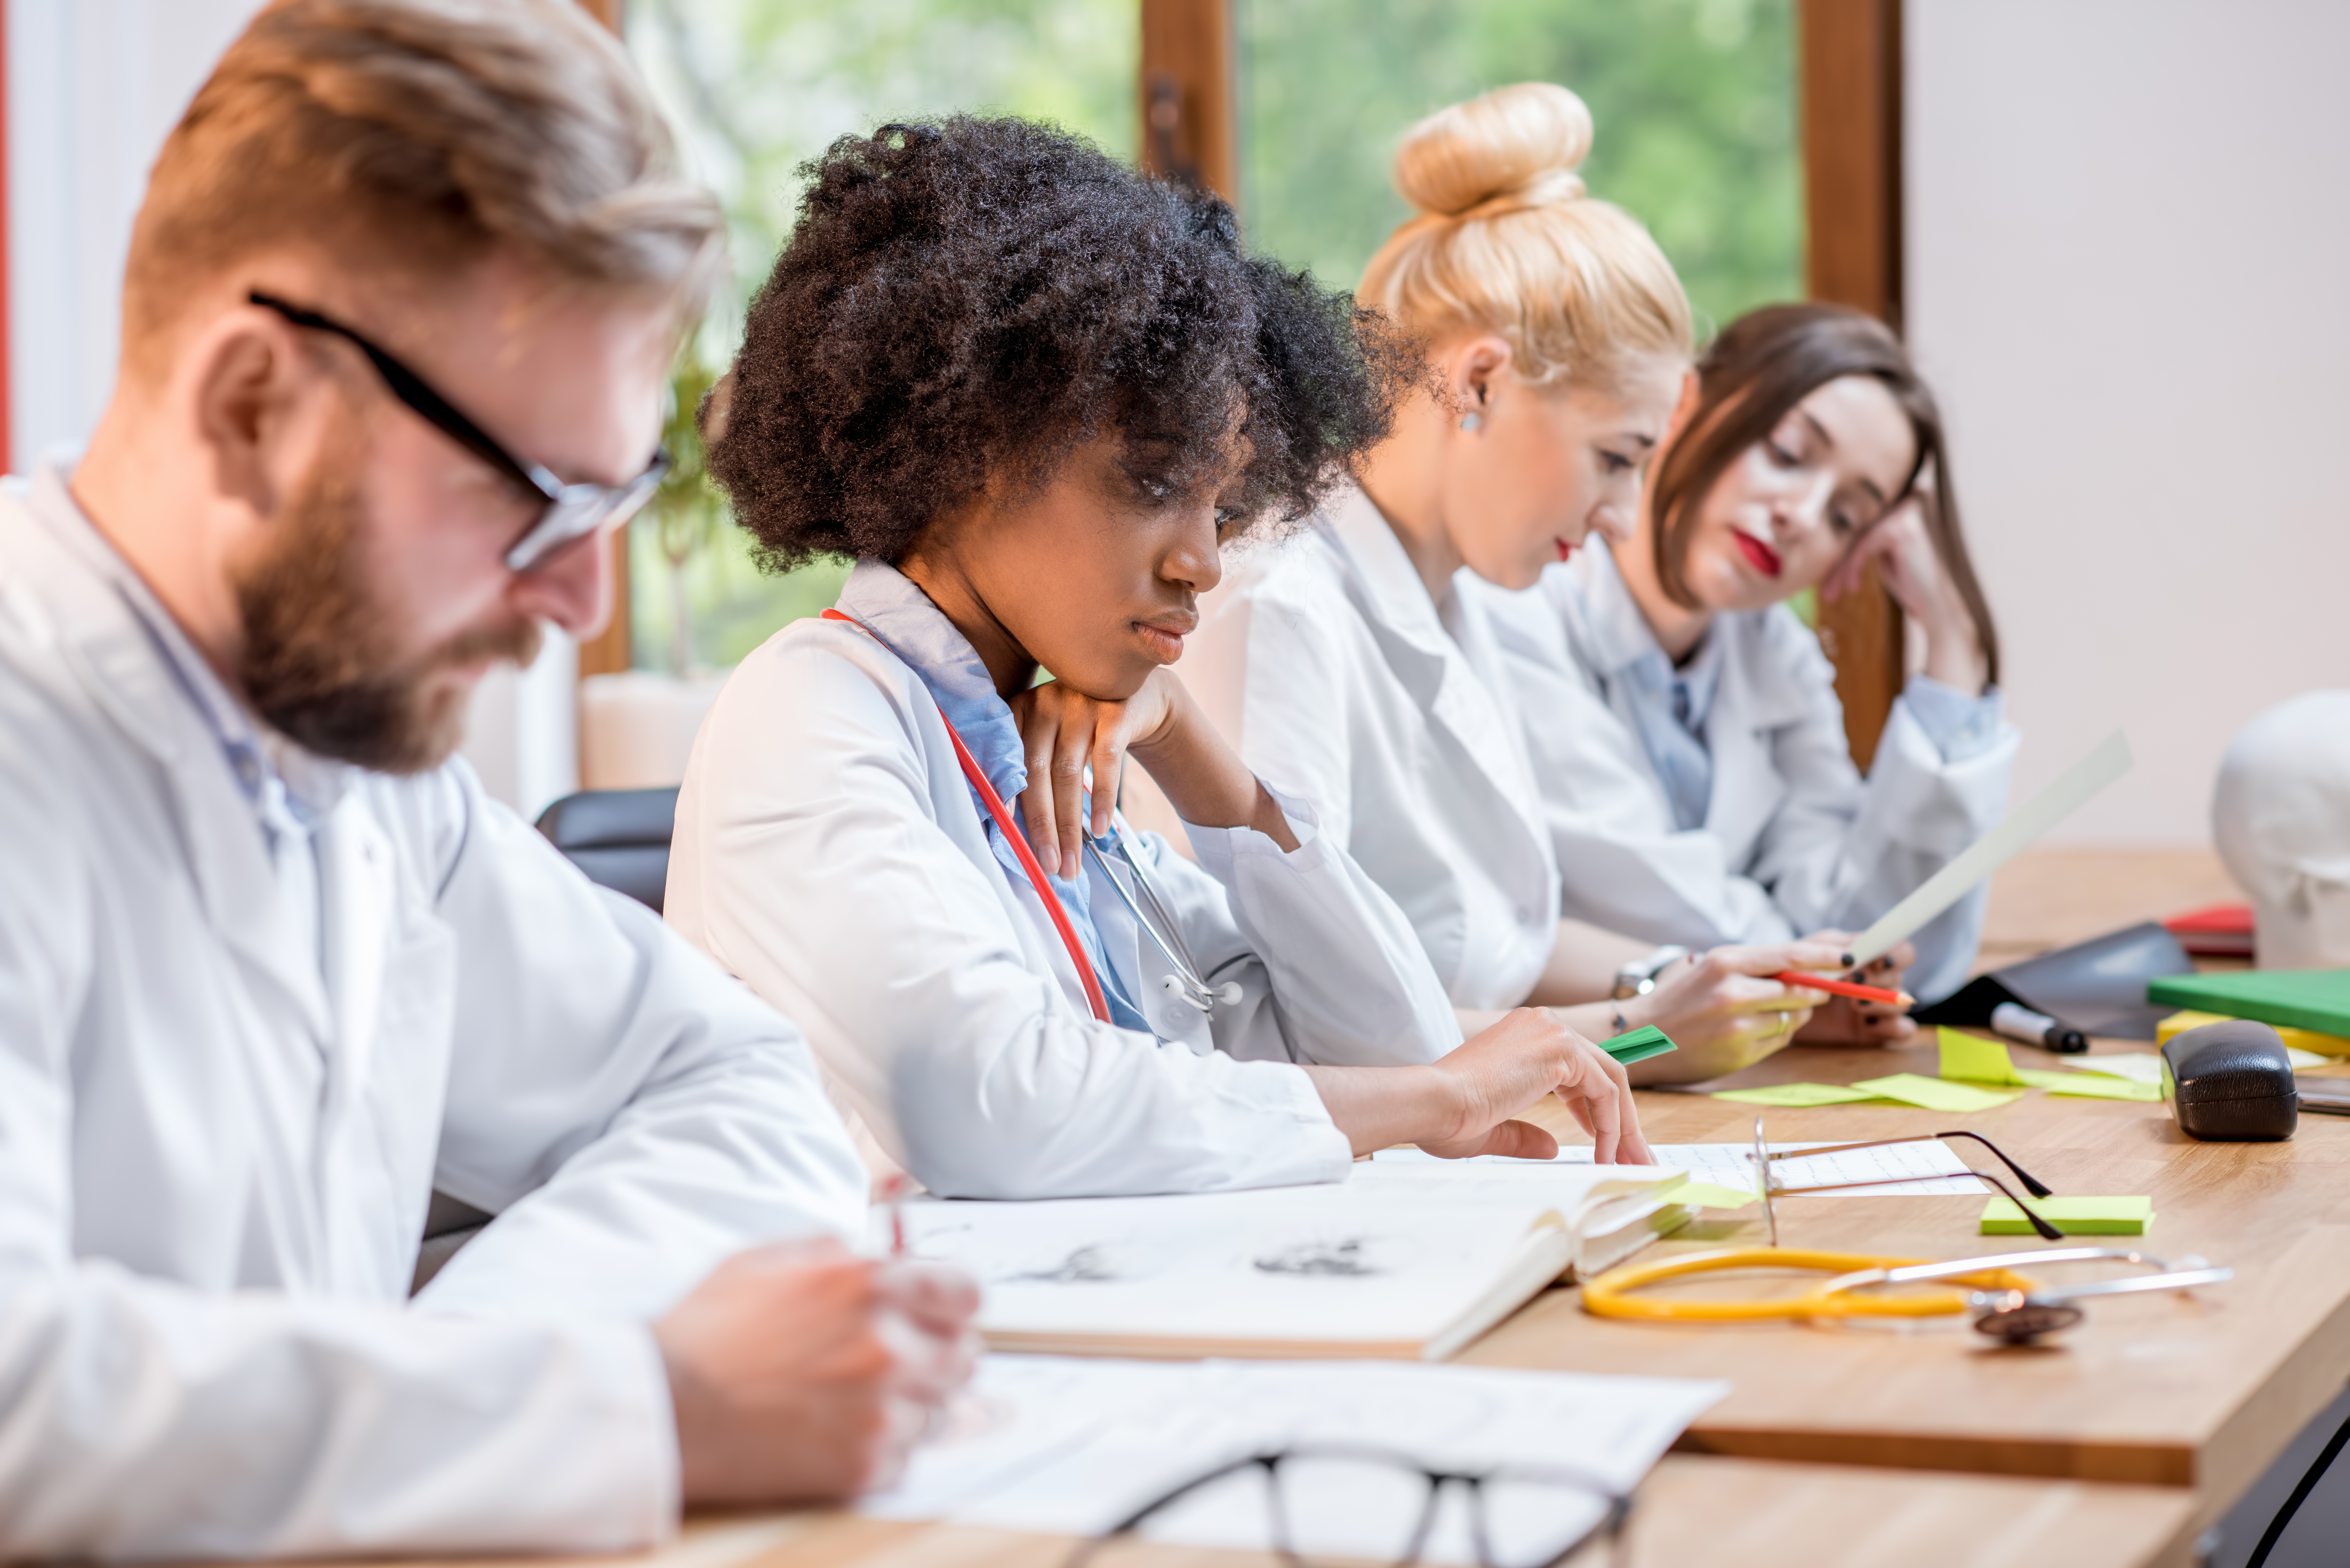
1543 470
1787 508
1096 574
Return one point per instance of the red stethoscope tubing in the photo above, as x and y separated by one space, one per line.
1027 858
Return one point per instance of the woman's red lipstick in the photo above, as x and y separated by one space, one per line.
1759 556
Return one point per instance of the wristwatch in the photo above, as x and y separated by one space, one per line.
1638 977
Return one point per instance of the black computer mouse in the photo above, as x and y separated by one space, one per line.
2230 1082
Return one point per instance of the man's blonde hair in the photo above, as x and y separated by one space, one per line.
1506 242
410 137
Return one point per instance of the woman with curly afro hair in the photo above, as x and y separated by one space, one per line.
1031 394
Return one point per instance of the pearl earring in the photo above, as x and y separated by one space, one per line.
1470 421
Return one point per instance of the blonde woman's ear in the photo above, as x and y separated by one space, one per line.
1470 371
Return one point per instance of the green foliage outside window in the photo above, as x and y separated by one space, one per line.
754 89
1693 100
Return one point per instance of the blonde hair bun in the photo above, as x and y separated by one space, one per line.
1506 242
1513 148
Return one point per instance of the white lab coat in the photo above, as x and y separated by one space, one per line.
214 1161
828 851
1794 840
1322 658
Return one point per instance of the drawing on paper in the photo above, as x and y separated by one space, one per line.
1088 1265
1346 1259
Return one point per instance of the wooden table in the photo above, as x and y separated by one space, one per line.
1693 1511
2198 1393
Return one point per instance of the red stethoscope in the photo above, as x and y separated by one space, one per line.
1186 983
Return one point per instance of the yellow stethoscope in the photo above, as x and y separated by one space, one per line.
2007 1306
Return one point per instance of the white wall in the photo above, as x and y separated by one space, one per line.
94 86
2128 254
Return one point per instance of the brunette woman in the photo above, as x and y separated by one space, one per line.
1683 719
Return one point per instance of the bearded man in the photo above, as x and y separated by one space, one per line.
399 305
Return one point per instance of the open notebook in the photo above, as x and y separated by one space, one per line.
1409 1261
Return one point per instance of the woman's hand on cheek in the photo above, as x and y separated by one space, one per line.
1912 572
1064 732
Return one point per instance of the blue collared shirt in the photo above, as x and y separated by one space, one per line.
887 604
1670 705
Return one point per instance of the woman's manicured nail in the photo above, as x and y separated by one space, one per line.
1849 961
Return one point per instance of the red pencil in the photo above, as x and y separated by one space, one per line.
1845 987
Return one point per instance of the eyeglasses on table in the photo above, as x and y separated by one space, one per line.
1765 1155
1331 1504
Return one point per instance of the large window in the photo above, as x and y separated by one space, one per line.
1694 101
756 87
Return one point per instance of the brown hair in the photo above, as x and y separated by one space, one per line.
1507 242
1761 366
417 135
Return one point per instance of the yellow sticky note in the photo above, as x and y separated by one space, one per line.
2073 1216
2328 1047
1709 1195
1975 1060
1796 1096
2092 1086
1938 1094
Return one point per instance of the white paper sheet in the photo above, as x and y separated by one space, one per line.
1072 1447
1986 855
2138 1067
1931 1165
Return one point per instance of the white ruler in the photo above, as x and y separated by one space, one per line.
1994 849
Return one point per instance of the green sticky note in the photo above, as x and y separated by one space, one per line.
1975 1060
2073 1216
1707 1195
1640 1044
1938 1094
2092 1086
1796 1096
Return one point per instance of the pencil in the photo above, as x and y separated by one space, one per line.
1845 988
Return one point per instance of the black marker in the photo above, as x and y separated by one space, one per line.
2036 1029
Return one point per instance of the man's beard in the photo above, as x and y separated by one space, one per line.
322 661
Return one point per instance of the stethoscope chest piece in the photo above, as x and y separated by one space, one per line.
2014 1318
1185 984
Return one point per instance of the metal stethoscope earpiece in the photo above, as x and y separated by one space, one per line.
1187 984
2020 1318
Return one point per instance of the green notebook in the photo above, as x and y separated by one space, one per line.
2317 999
1638 1046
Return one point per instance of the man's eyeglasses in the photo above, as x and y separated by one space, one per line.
1365 1505
568 511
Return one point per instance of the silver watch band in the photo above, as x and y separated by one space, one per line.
1638 977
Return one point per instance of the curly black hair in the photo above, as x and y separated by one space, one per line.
970 296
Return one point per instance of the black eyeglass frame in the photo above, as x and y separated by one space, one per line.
1610 1526
1765 1155
570 512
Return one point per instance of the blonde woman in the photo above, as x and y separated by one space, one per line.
1351 664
